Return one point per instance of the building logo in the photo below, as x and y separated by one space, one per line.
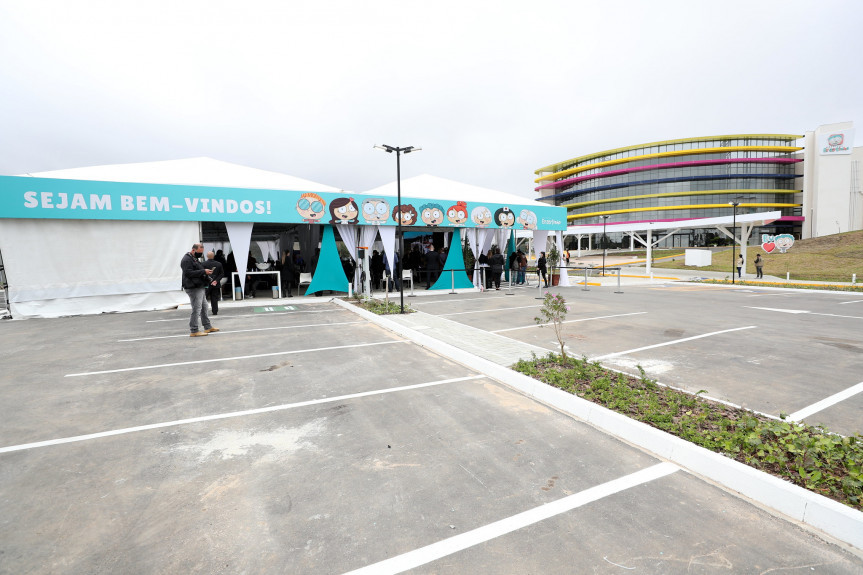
836 143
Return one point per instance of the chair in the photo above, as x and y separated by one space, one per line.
305 279
408 275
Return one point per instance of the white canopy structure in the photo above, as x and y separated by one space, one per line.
642 232
58 267
427 186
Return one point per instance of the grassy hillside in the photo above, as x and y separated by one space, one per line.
829 258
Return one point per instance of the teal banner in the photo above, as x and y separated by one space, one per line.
24 197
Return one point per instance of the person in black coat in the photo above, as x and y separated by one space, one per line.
288 273
433 265
496 261
214 289
542 268
195 280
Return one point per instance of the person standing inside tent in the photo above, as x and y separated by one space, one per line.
496 261
433 266
214 288
195 279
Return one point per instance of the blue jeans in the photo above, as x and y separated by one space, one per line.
198 299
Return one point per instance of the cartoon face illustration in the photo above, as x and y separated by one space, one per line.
504 217
527 220
457 214
431 214
311 207
376 211
481 216
835 139
344 211
784 242
407 212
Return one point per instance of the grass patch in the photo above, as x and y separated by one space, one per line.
808 456
829 258
380 307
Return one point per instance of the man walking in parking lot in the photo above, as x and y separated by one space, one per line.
195 280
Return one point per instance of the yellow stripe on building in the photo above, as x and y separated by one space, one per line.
687 207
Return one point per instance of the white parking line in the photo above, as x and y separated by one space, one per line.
796 311
606 356
260 410
854 301
487 310
233 358
827 402
435 551
478 298
571 320
221 332
223 316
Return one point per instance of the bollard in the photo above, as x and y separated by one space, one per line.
853 278
276 293
788 276
618 281
452 281
412 294
585 288
509 289
238 293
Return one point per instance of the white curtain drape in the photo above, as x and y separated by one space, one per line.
388 239
348 233
240 234
368 235
564 276
476 238
540 237
486 237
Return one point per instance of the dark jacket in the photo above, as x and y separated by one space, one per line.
194 275
541 264
218 272
433 262
497 262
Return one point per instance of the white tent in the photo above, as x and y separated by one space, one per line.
59 267
433 187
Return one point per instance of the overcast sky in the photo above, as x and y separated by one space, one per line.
490 90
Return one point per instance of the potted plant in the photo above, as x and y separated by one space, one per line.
553 258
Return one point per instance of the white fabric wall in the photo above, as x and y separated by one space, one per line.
71 267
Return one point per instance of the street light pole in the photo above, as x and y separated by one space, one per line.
735 203
604 243
399 240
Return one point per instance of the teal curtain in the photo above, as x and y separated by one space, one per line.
510 249
454 261
329 275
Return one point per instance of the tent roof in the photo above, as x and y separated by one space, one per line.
433 187
190 172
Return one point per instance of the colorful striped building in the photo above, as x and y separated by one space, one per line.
699 177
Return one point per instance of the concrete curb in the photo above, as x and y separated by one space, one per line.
835 519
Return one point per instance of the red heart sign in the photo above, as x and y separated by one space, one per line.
768 247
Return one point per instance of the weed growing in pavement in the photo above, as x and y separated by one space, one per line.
808 456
